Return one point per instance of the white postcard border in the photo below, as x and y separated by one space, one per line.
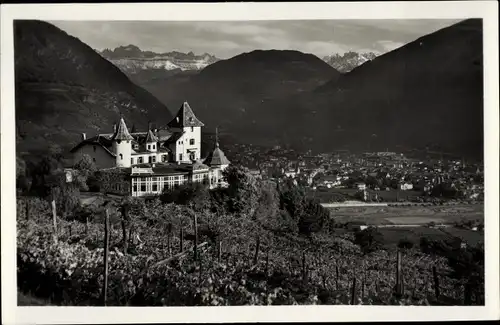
487 10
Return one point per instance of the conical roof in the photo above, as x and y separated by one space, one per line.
150 137
216 157
185 118
121 132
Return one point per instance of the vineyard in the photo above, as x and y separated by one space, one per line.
173 255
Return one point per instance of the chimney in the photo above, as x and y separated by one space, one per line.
84 137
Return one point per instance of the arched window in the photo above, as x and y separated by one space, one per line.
121 156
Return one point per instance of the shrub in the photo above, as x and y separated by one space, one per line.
369 239
406 243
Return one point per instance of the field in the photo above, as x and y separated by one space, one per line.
410 223
331 195
406 215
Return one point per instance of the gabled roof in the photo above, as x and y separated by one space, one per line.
185 118
174 137
121 132
150 137
98 140
216 157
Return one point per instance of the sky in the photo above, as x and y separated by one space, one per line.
225 39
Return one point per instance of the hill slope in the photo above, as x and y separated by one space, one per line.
64 88
230 93
426 93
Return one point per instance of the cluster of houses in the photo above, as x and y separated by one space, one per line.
380 171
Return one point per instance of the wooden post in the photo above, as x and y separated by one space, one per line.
415 286
304 268
257 248
130 235
363 283
169 241
399 275
54 220
70 228
337 277
219 250
106 253
195 237
267 262
467 294
353 292
436 282
27 209
181 238
125 224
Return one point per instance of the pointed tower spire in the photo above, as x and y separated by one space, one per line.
121 132
185 118
216 137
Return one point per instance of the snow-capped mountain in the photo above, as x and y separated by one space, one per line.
349 60
131 60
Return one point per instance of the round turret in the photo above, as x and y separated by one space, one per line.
122 145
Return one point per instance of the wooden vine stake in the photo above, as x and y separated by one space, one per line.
399 276
267 262
54 219
106 260
27 209
353 292
125 224
169 239
436 282
363 283
304 268
467 294
181 238
337 277
257 248
219 250
195 218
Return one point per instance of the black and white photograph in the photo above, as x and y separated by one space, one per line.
277 160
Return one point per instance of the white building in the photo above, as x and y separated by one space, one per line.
151 161
406 186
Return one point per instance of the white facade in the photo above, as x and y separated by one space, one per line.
188 146
123 150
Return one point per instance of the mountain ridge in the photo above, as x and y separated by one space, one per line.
435 82
64 88
132 60
234 88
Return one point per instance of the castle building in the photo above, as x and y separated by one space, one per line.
146 163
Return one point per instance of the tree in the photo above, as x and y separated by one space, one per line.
85 168
314 219
45 174
267 211
307 213
243 190
369 239
194 193
67 197
23 182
